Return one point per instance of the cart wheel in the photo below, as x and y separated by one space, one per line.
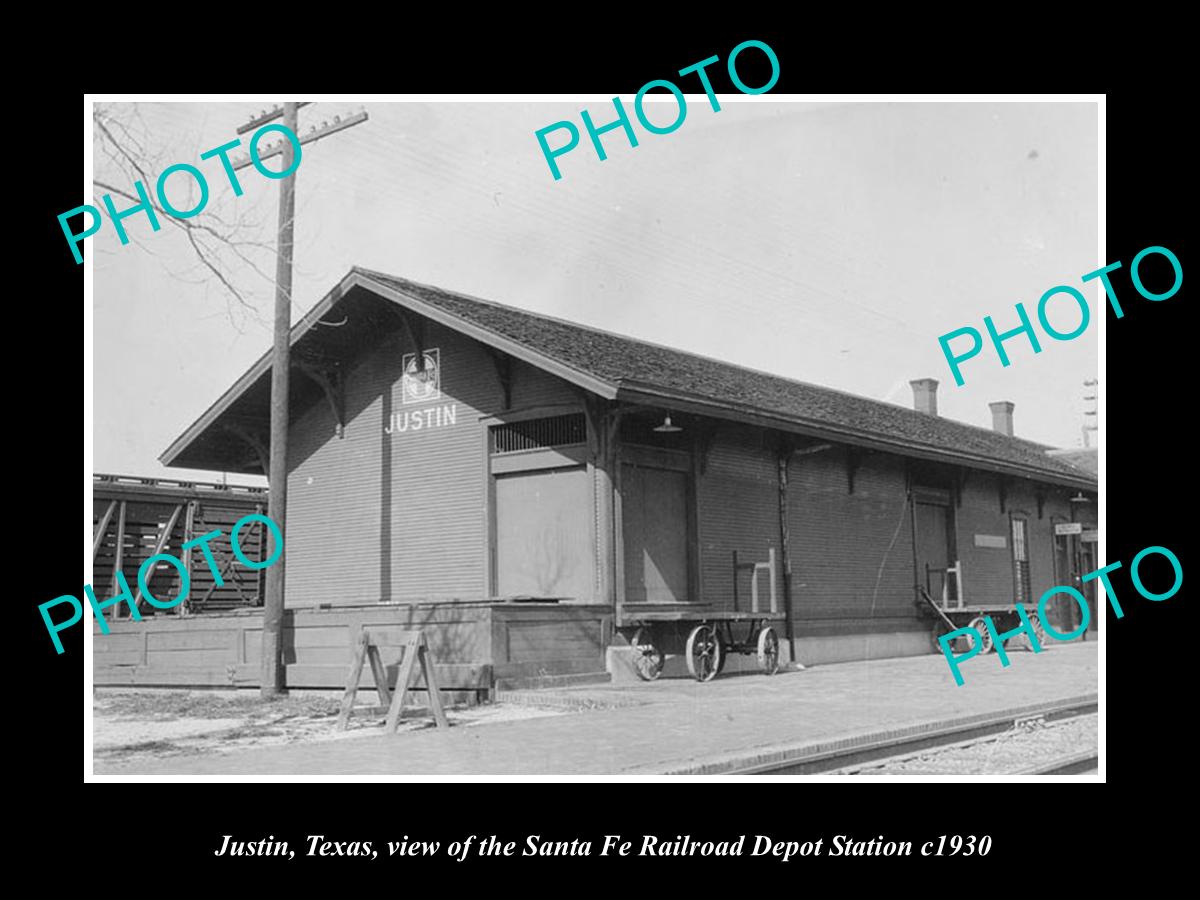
704 653
936 635
647 658
984 635
768 651
1038 630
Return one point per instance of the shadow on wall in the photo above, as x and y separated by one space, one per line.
385 503
548 553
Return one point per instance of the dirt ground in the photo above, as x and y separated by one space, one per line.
128 725
670 725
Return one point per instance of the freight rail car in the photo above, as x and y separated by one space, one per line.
136 518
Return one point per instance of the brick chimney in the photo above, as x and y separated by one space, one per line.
925 395
1002 411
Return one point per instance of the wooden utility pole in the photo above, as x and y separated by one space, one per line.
272 633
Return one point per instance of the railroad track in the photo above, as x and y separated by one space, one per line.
1071 764
860 753
1029 747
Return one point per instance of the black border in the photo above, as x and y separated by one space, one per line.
175 829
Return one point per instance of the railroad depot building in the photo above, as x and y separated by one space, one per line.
524 489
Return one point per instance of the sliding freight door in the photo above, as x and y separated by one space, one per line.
933 551
654 509
543 534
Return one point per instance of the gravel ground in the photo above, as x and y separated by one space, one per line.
1031 744
156 724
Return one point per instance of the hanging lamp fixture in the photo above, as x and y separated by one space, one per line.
666 427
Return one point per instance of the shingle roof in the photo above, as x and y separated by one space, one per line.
636 365
1085 459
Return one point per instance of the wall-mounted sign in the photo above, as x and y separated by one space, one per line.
424 383
421 386
1089 537
995 541
415 420
1068 528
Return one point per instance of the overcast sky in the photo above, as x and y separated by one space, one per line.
827 242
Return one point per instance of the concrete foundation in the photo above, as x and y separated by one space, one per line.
816 651
810 651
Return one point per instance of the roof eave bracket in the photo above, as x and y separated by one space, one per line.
415 333
504 371
853 461
330 381
254 441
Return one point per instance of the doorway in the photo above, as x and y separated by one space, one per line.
1070 557
654 525
1088 563
543 534
933 551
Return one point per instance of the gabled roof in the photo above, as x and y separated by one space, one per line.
618 367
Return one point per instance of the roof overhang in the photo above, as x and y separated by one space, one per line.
648 395
221 438
213 442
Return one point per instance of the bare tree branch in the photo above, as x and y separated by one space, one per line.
203 253
222 246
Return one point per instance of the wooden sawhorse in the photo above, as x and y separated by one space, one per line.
415 648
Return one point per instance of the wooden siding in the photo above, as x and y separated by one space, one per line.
738 510
654 506
473 645
1042 569
840 544
532 387
987 571
377 517
226 649
539 643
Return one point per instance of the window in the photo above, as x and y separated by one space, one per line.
534 434
1020 549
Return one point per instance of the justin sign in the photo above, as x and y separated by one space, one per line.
421 385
